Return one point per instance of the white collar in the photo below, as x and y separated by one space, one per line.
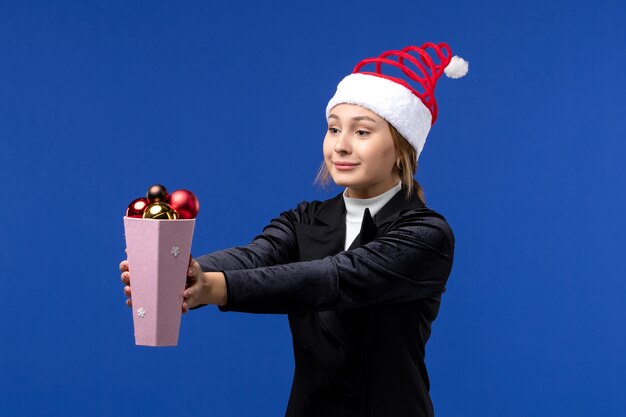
355 207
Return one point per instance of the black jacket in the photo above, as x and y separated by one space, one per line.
359 318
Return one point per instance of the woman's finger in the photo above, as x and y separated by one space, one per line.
127 291
194 286
125 277
129 302
190 294
188 298
192 276
124 265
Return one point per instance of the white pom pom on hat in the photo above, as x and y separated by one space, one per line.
457 68
411 111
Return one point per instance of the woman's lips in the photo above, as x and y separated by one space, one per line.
345 166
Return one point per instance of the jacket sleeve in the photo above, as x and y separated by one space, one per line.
412 260
276 245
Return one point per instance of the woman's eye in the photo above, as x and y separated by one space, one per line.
333 130
362 133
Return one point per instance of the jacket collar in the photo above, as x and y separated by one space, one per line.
396 206
327 232
335 209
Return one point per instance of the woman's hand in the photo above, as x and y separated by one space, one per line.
203 287
126 280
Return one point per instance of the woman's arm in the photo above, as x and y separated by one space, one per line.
411 260
276 245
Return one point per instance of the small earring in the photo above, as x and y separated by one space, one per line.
399 164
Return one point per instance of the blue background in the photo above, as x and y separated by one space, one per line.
98 100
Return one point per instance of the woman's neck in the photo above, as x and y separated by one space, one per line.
367 202
371 192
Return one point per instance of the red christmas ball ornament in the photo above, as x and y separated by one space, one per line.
185 203
136 208
157 193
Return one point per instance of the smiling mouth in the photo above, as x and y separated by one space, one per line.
344 166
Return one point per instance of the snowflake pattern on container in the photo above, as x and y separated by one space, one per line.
141 312
175 251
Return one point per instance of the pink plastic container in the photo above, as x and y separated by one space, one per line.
158 257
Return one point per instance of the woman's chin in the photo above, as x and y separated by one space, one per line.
344 179
343 182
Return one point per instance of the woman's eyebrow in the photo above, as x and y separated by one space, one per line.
357 118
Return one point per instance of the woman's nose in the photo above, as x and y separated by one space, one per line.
342 144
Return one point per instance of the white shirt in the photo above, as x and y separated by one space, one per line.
355 209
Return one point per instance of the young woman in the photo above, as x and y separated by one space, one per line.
360 275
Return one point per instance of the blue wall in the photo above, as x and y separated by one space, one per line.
99 99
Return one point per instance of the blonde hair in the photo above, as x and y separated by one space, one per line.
406 165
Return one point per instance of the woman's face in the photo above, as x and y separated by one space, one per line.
359 152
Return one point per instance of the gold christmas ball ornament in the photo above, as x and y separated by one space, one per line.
160 211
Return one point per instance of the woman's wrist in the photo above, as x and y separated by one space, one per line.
207 288
218 286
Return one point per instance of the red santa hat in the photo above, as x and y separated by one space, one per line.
408 104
